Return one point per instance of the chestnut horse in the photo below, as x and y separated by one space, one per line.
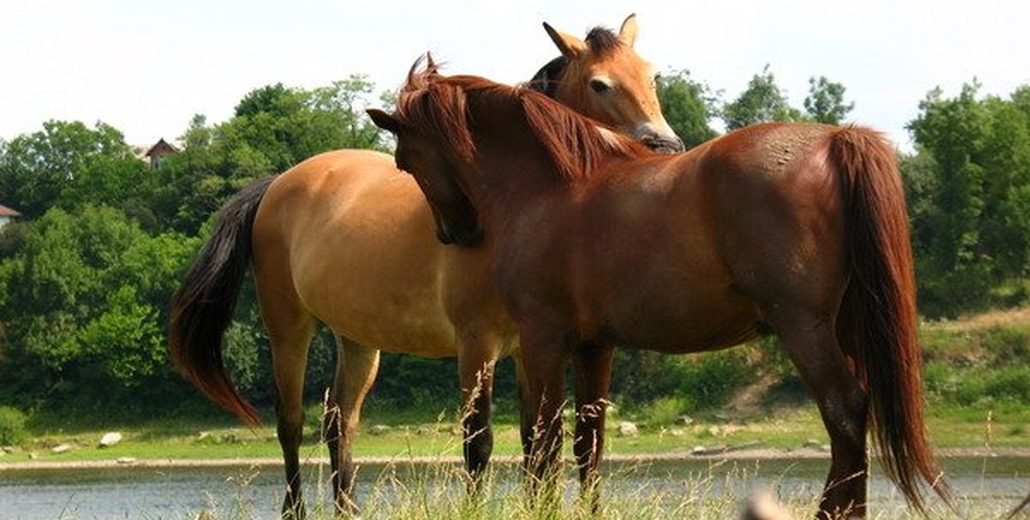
344 238
796 229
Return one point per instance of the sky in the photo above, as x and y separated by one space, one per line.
146 67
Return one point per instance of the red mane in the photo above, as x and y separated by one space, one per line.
439 105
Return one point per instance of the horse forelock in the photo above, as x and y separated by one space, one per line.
438 107
602 41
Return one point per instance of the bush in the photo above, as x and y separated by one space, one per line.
12 426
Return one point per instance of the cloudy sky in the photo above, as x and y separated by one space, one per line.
146 67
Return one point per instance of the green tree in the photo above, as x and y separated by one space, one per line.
761 101
825 101
688 105
67 164
83 301
274 127
971 216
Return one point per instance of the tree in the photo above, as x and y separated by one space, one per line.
67 164
688 106
972 218
82 303
825 101
274 127
761 101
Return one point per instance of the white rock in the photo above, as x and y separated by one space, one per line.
110 439
61 448
628 429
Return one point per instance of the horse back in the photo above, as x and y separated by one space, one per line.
683 253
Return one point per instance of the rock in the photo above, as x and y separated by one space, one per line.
61 448
379 429
110 439
699 450
628 429
126 461
686 420
8 449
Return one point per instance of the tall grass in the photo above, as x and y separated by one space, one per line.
429 490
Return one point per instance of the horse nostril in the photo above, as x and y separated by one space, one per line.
664 144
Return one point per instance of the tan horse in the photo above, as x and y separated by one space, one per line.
345 239
788 228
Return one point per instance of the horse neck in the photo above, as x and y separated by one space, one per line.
511 165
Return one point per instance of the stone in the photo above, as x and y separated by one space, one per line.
61 448
628 429
110 439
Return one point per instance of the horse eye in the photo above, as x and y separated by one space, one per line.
599 86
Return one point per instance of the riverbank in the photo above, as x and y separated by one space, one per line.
729 453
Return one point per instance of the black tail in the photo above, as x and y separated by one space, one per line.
203 306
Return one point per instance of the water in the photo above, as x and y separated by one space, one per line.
256 492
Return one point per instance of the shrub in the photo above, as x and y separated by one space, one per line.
12 426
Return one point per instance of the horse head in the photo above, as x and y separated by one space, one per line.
433 166
604 78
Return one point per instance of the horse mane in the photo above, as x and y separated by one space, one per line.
439 105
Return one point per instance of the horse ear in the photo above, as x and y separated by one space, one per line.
628 31
384 120
569 45
431 67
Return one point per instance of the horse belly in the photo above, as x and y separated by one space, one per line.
688 316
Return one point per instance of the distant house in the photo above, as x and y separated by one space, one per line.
7 215
158 152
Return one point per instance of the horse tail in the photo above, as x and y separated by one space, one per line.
881 301
203 306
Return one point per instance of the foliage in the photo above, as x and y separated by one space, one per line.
68 164
761 101
12 426
274 127
969 192
688 105
84 302
825 101
699 381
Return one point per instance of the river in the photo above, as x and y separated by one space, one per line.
255 492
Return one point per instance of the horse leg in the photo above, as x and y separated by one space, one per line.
477 357
289 360
527 418
812 345
356 369
544 364
592 369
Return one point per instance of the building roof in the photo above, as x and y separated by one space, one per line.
8 212
160 148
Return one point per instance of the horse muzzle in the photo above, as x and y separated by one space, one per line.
463 237
664 144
